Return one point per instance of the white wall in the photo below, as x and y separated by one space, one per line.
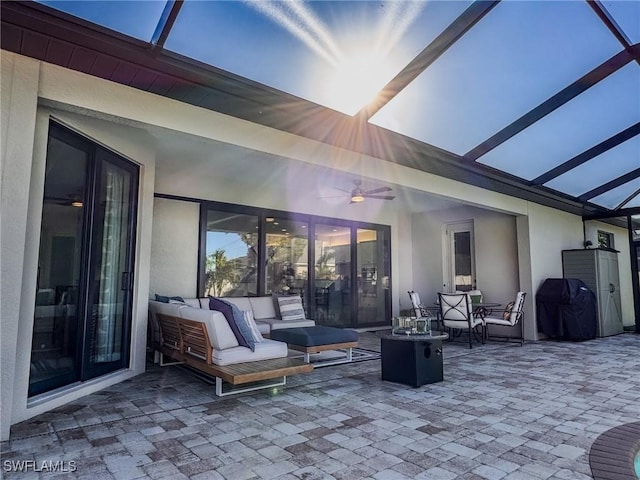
496 252
512 253
24 131
550 232
174 248
19 79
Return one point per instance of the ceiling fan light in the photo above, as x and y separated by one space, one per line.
357 198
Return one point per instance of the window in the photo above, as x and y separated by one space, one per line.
635 227
231 263
340 268
605 240
287 256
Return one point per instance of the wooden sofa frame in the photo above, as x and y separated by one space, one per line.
187 342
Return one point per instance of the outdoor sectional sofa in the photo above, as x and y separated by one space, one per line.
188 332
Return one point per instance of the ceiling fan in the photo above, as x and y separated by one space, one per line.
358 194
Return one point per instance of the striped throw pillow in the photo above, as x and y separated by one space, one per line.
291 307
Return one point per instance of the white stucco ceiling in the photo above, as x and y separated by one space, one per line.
180 154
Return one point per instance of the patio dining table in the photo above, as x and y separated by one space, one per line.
481 309
484 308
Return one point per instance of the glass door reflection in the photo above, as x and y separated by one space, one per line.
332 283
287 268
373 277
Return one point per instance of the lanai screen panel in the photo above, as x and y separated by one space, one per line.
626 14
135 18
600 112
517 56
601 169
314 50
614 197
339 54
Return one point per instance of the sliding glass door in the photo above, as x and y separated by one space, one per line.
85 268
374 272
54 350
287 254
340 268
111 265
333 276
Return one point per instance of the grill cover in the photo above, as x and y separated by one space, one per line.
566 309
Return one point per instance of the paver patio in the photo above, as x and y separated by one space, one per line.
503 412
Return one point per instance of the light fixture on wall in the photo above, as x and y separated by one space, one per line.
77 203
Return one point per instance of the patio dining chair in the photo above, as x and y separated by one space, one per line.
457 316
511 316
420 310
476 296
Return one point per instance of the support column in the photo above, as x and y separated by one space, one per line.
19 97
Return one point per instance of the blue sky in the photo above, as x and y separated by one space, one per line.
516 57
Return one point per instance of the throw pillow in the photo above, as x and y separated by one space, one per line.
291 307
163 299
276 304
507 311
227 309
255 331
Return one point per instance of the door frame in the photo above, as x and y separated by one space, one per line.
448 258
97 155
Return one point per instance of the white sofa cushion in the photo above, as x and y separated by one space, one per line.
156 307
220 333
192 302
243 303
276 323
262 308
263 327
264 350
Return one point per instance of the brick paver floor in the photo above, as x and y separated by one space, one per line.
502 412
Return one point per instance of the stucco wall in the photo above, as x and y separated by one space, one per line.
496 252
550 232
174 248
19 79
24 141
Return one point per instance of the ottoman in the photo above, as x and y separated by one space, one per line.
318 339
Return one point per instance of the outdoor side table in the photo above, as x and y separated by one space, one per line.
414 360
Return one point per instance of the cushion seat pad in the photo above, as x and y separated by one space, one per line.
314 336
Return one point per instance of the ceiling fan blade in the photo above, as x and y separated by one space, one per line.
335 196
378 190
380 197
